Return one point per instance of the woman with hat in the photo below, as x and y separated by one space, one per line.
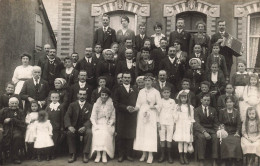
22 72
148 105
107 68
103 126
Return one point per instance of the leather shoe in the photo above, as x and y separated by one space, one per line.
17 161
120 159
129 158
85 158
72 159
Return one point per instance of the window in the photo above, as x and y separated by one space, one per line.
191 19
38 33
115 20
253 36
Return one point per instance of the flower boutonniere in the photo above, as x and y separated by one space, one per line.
109 32
150 62
86 111
94 64
178 61
131 90
126 34
199 72
202 62
133 64
15 114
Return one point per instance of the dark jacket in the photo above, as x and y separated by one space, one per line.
104 38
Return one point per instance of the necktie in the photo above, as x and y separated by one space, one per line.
37 84
105 29
205 112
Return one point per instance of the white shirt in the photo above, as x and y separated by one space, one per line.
127 87
178 54
142 36
82 84
214 77
88 59
54 107
197 55
129 63
157 39
38 81
162 84
105 28
205 113
22 72
81 104
69 70
172 59
222 33
179 30
74 64
97 55
124 31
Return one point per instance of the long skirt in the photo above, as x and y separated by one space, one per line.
231 147
103 139
146 131
250 148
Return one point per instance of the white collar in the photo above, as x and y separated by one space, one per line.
179 30
160 82
35 81
69 70
129 61
82 103
126 86
222 32
241 73
163 49
99 89
171 59
82 84
88 58
161 35
54 107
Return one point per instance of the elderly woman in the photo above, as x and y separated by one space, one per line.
230 148
22 72
145 64
107 68
157 36
12 120
200 38
139 83
125 32
148 105
103 126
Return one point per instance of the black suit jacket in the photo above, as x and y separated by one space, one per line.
104 38
220 85
126 121
158 55
139 42
183 37
30 90
72 116
157 86
203 123
71 78
74 89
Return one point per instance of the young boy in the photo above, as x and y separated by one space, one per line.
166 123
215 57
56 117
69 73
98 53
204 87
9 92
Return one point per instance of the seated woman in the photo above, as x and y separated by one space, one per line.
103 126
230 148
145 64
229 92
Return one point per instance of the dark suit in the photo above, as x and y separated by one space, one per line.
139 42
175 70
107 69
71 78
77 118
183 37
39 93
74 89
122 68
208 124
157 86
97 59
104 38
126 121
219 86
90 68
196 76
225 51
50 71
158 55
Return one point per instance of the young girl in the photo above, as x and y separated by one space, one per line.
240 79
251 96
215 57
184 121
103 120
56 117
43 136
229 92
250 141
30 118
96 93
166 123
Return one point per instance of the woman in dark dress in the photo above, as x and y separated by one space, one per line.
145 64
230 148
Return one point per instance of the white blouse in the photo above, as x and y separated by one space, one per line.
22 72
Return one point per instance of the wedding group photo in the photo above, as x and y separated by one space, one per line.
130 82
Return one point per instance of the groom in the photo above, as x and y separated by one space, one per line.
125 99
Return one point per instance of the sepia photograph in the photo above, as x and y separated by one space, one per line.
130 82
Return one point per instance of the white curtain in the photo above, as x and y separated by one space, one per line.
254 39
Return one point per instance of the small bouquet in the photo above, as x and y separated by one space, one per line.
146 116
221 133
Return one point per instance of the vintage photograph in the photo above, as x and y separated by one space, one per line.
130 82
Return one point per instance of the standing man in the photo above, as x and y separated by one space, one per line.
129 44
89 64
219 38
181 35
140 38
35 89
51 68
77 122
104 35
75 58
125 100
44 54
